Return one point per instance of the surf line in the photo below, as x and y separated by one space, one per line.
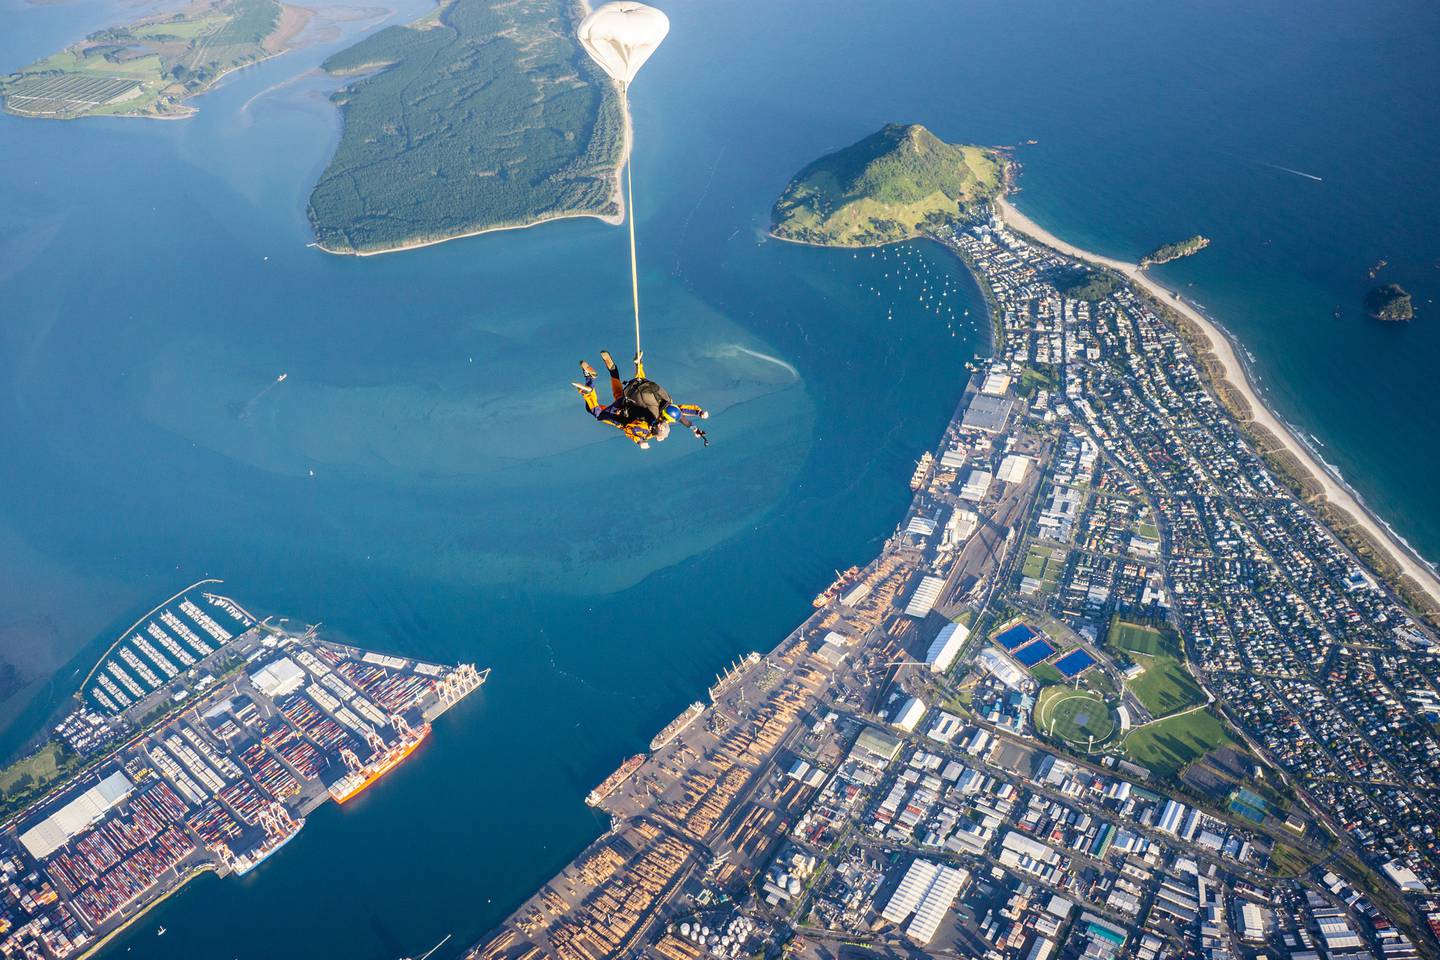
766 357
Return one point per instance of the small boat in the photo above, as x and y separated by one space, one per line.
160 932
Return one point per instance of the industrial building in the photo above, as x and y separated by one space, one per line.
952 459
922 601
907 717
961 525
927 891
75 817
997 382
875 748
946 727
278 678
1014 467
977 484
987 413
921 526
946 647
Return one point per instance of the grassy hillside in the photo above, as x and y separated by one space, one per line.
887 187
487 115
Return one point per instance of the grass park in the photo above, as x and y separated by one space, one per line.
1166 747
1164 686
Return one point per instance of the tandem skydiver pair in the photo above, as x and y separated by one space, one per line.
642 409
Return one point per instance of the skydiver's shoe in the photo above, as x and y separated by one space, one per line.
586 369
584 388
609 362
644 444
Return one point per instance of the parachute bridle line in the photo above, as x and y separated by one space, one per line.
630 212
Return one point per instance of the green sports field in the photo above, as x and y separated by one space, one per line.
1075 716
1165 687
1168 746
1138 639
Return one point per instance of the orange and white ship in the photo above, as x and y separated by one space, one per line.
361 776
613 782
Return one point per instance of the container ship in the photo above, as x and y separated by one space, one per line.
673 728
612 783
246 862
357 780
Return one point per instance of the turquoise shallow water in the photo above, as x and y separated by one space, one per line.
154 279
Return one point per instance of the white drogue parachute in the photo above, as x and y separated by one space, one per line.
620 37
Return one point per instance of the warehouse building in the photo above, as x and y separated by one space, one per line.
922 601
987 413
926 892
77 816
946 647
907 717
278 678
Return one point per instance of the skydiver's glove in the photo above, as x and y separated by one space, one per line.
700 434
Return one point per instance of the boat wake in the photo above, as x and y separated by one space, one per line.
1298 173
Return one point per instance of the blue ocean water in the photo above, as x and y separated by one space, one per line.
424 481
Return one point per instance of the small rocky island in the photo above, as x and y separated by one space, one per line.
887 187
1174 251
1389 303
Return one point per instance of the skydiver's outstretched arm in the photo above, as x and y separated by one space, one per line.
683 412
692 410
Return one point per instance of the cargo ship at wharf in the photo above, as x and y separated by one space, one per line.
673 729
207 736
613 782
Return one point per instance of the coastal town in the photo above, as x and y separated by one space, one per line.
203 739
1111 689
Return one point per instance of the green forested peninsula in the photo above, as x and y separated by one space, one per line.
887 187
481 115
1174 251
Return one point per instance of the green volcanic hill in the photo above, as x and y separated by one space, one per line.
887 187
